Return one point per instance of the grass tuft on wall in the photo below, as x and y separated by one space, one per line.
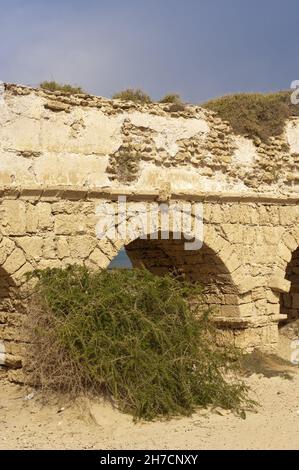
133 94
65 88
255 114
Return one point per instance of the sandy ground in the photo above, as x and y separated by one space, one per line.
26 424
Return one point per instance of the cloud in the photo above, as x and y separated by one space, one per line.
198 48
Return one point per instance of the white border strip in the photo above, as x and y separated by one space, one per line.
2 353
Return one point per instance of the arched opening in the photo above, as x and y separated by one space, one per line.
6 290
121 261
162 256
289 302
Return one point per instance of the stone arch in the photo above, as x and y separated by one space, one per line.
112 242
6 289
7 284
13 267
217 264
289 298
289 301
289 242
282 282
162 256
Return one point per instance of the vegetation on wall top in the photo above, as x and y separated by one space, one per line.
175 102
133 94
171 98
65 88
255 114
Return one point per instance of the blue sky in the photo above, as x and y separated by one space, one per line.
200 49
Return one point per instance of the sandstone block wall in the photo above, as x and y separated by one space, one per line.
63 156
55 139
242 265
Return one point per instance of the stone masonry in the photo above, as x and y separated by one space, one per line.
63 156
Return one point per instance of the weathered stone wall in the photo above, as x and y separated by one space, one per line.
242 265
63 156
51 138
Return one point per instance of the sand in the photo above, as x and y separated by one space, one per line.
27 424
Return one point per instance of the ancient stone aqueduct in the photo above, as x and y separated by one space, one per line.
62 156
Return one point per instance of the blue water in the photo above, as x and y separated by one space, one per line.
120 261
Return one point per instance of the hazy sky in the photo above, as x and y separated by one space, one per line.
198 48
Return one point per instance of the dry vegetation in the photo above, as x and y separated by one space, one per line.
139 96
130 336
171 98
175 103
131 94
65 88
255 114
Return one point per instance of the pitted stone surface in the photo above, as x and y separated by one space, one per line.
55 138
63 156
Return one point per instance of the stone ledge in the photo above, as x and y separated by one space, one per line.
240 323
82 193
58 101
278 284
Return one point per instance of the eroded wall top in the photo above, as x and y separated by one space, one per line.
53 139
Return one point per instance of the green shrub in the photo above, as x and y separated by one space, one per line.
135 95
175 102
54 86
171 98
176 107
131 336
255 114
